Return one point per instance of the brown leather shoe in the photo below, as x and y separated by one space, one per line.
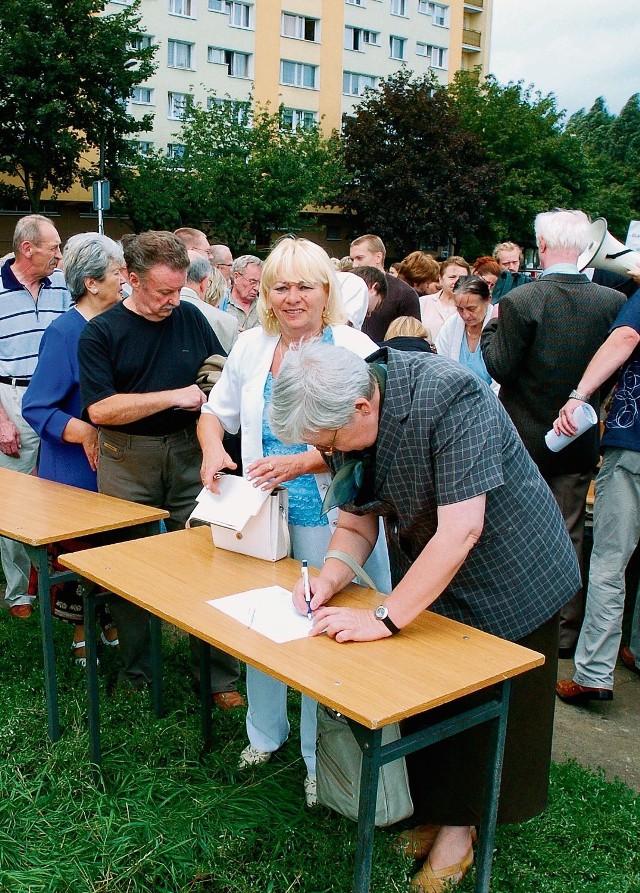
21 611
228 700
627 658
572 693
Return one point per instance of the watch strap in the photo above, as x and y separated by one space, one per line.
388 622
575 395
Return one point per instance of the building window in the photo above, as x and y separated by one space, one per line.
140 42
298 74
437 55
142 147
237 109
397 48
238 64
182 8
300 27
217 6
355 2
398 7
439 14
175 150
354 84
179 54
298 119
177 104
359 38
142 95
239 15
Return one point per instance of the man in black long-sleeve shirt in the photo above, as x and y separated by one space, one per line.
401 299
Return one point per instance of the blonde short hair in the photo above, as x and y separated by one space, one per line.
406 327
299 260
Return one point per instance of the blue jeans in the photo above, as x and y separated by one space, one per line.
267 721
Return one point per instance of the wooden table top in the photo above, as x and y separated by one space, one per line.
431 662
38 512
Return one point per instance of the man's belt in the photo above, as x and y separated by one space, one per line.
15 382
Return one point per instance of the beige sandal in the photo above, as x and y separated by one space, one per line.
430 880
417 843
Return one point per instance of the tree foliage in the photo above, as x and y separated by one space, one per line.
66 75
240 173
539 165
611 147
415 175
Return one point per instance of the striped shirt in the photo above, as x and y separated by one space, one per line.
23 320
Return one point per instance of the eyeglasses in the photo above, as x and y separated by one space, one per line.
330 450
254 283
224 265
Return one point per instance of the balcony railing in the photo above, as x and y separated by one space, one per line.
472 39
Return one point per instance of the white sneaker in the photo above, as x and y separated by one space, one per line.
251 756
310 792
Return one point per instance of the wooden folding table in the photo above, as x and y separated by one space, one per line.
174 575
38 513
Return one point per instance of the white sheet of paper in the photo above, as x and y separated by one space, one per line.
237 501
267 611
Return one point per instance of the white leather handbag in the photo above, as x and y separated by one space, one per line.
264 535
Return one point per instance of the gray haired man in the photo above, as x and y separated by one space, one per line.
246 273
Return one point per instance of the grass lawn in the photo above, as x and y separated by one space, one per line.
170 820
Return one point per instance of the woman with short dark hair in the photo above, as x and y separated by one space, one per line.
459 337
52 406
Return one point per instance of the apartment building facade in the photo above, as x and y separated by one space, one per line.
315 57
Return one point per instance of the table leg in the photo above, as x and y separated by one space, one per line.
38 557
370 742
155 631
486 839
93 698
205 694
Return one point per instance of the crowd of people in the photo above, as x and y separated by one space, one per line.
405 412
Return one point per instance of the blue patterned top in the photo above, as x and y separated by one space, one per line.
304 499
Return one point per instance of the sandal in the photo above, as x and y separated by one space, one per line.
430 880
111 643
80 661
416 843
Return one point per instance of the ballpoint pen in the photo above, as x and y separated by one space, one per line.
307 591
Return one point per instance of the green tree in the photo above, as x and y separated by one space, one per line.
610 145
66 75
539 165
414 174
240 173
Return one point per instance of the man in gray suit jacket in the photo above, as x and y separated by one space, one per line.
536 349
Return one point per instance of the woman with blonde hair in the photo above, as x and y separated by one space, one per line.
299 302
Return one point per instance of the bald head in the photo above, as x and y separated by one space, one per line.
221 258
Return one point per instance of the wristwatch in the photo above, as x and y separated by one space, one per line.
574 395
382 613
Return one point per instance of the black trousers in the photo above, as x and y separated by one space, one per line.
447 780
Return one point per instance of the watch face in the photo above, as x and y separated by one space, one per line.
381 612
